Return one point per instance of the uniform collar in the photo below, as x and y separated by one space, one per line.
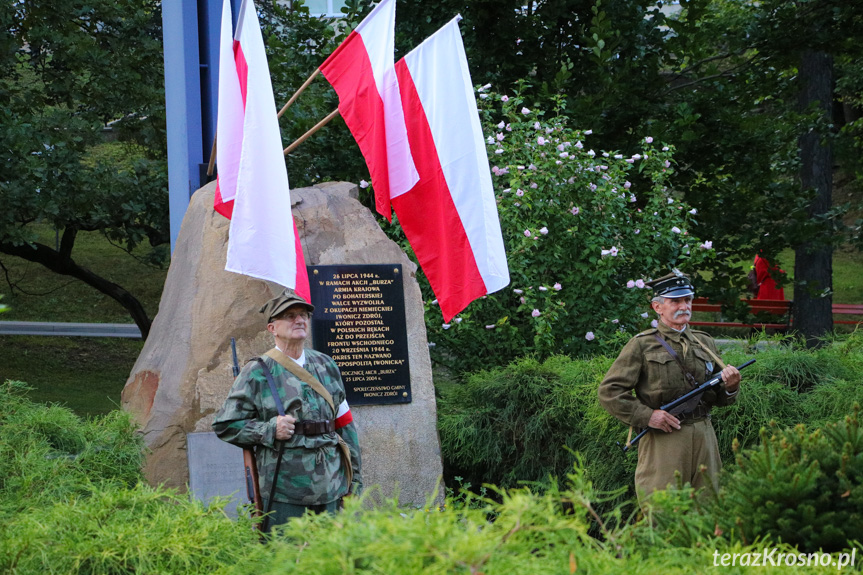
672 334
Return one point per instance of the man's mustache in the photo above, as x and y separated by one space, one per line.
681 312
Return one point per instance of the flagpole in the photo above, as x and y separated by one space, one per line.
298 92
212 163
316 127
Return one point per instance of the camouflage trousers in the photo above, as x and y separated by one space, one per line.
281 513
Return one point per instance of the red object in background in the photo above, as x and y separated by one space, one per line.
766 285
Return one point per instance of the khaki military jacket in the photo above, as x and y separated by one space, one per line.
645 367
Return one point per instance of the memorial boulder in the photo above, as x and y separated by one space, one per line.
184 371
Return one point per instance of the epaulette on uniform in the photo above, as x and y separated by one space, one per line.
702 332
647 332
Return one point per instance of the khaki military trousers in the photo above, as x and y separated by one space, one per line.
662 454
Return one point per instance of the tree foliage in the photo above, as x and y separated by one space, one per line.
82 133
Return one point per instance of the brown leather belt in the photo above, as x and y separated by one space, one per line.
700 412
312 427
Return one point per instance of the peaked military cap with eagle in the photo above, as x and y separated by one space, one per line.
674 285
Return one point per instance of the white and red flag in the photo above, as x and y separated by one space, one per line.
252 187
450 216
362 74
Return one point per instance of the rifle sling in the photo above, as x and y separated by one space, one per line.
300 372
687 375
281 449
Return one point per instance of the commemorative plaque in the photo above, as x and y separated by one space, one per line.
359 321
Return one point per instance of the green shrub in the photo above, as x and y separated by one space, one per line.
47 453
802 487
523 422
115 530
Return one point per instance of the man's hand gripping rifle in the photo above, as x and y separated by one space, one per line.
712 382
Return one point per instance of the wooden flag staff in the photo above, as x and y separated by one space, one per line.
314 129
301 139
298 92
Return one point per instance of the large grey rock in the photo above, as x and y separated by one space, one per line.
184 371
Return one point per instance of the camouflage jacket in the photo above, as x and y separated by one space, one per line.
646 367
311 472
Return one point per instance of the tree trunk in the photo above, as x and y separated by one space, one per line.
813 266
60 262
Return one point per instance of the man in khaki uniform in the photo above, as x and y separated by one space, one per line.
683 441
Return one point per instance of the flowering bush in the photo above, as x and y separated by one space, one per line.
583 230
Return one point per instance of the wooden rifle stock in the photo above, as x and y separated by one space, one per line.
250 471
250 464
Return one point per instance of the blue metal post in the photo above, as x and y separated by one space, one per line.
182 106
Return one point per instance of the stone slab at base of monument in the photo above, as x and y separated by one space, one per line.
183 374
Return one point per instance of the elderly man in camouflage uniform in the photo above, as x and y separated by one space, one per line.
312 474
659 365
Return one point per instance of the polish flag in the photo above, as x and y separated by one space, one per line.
263 240
450 217
361 72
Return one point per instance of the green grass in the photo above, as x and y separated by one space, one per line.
82 373
34 293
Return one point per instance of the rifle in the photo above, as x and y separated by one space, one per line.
712 382
250 465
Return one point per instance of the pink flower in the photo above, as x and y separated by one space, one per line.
588 132
517 291
632 199
613 251
536 126
648 139
508 128
667 164
627 185
490 326
560 147
615 321
364 184
575 211
541 141
592 187
706 245
654 323
639 284
533 185
693 211
434 302
532 167
564 154
675 230
498 151
522 300
543 230
579 145
604 252
519 193
543 288
501 125
504 98
535 313
636 157
644 315
500 137
525 111
457 320
446 326
630 284
557 287
589 336
527 233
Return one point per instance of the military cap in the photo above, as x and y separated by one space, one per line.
281 302
673 285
